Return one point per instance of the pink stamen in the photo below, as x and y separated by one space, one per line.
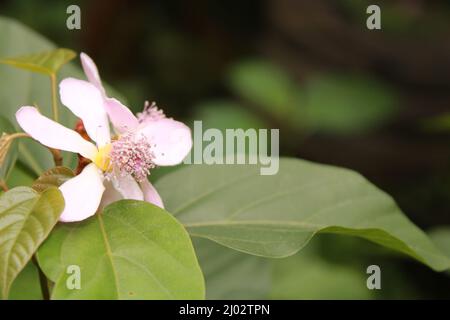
151 112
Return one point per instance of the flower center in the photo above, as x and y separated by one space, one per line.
102 158
131 155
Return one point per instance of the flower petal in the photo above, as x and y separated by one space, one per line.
91 71
86 102
128 187
150 194
82 194
110 195
52 134
171 140
121 117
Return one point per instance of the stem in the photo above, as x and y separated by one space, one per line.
54 100
3 185
42 280
57 157
19 135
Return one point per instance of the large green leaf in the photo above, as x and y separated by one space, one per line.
335 267
132 250
26 286
26 219
48 62
441 236
275 216
230 274
307 275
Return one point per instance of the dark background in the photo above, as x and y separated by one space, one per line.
376 101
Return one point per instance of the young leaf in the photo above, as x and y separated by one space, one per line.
48 62
53 177
26 218
276 216
132 250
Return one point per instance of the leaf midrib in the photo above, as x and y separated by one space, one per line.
108 253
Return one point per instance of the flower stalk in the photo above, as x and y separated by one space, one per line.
54 97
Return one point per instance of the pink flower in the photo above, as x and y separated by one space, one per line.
120 166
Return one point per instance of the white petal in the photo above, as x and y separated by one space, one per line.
128 187
91 71
150 194
171 140
82 194
121 117
52 134
110 195
87 103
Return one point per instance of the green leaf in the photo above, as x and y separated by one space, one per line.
20 176
26 286
441 236
230 274
48 62
276 216
26 218
53 177
8 149
307 275
132 250
335 267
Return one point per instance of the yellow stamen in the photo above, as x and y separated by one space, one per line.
102 158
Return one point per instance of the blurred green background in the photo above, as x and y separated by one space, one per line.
376 101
